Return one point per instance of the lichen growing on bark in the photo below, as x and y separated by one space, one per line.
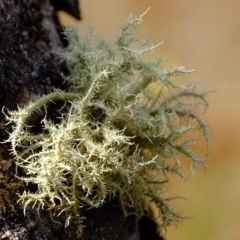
122 130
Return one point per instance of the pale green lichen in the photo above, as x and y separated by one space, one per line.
122 131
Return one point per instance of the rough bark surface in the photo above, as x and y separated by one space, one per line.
30 66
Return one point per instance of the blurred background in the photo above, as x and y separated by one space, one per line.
202 35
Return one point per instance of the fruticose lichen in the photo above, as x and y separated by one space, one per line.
123 128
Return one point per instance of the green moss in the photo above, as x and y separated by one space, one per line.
122 130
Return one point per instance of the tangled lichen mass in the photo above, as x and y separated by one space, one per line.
123 123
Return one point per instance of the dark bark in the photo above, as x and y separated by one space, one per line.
29 67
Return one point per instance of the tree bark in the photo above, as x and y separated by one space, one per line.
29 67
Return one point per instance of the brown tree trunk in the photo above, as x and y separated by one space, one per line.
29 67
